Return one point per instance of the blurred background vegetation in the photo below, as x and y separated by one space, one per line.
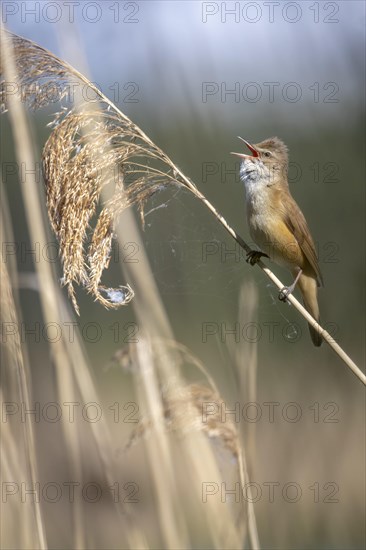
157 60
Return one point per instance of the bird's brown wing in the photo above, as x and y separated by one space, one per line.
296 223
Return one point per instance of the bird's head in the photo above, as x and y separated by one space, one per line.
267 162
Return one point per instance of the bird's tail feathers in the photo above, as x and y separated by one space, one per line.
309 291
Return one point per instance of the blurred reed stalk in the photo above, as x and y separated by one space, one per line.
18 449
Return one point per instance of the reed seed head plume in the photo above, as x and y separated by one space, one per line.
87 150
194 408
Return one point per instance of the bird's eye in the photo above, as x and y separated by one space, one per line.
267 154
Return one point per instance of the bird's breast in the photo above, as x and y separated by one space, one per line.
269 231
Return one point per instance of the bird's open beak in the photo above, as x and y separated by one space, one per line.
250 147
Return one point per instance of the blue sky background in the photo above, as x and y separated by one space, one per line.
170 48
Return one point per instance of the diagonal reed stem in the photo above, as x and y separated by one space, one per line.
187 183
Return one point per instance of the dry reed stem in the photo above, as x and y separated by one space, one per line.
245 359
183 409
17 369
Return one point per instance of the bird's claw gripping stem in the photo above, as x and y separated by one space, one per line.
287 290
284 293
254 256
